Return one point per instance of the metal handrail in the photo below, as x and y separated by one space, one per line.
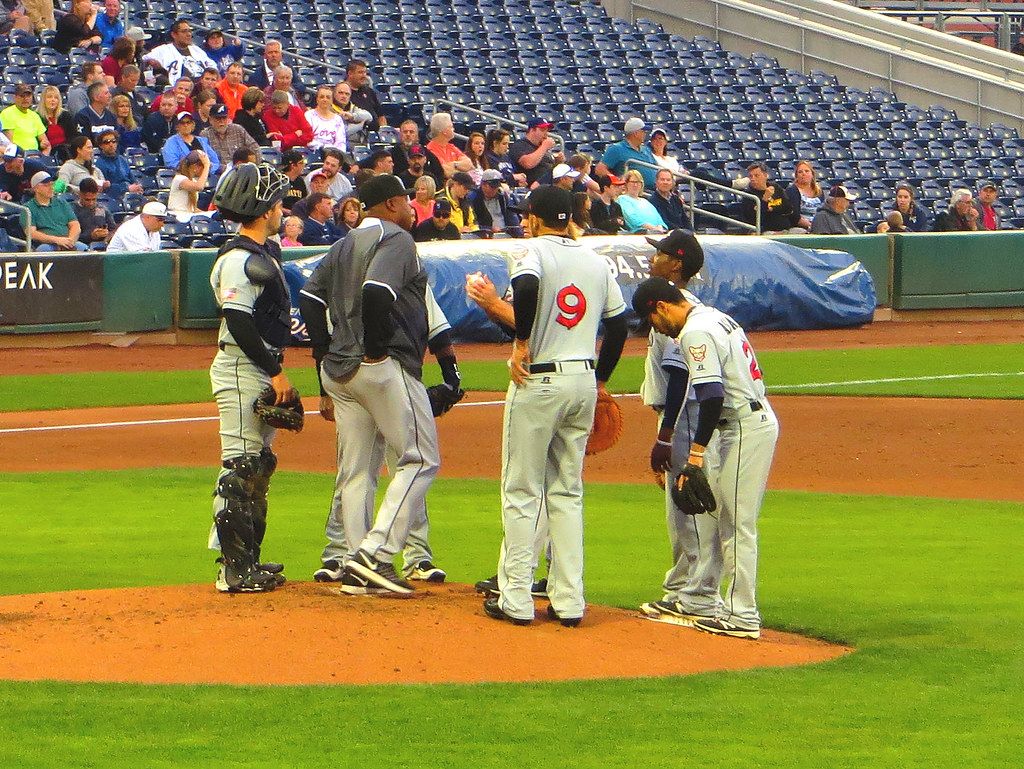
439 101
694 209
27 212
1001 21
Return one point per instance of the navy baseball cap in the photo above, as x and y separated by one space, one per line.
652 291
539 122
684 246
552 204
382 187
442 208
219 110
417 150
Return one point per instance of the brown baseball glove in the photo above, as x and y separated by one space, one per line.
287 416
607 424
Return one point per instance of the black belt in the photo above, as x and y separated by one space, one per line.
754 406
278 356
550 368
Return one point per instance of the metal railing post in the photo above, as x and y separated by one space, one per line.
693 180
27 212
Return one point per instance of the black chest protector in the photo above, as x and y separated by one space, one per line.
272 312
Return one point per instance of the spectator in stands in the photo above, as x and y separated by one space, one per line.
442 131
584 182
581 206
564 176
128 86
128 130
54 225
316 182
250 116
22 124
96 222
209 80
457 192
239 156
961 216
273 54
318 227
606 211
78 96
204 101
224 136
193 172
356 118
81 165
380 162
423 199
184 142
282 81
497 157
40 14
491 206
328 126
363 95
475 147
286 123
438 226
348 214
142 232
181 94
637 211
159 126
833 217
632 147
180 56
115 166
120 56
915 216
290 231
221 52
658 142
14 22
988 218
416 166
231 89
16 174
109 24
60 124
338 185
805 193
532 154
97 117
293 163
408 138
668 203
893 223
777 215
74 30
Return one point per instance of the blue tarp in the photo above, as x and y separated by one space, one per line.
762 284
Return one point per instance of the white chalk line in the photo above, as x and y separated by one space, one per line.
802 386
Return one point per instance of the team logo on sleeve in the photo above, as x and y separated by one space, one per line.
228 294
698 353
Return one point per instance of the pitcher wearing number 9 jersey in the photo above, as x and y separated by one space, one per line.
728 383
562 292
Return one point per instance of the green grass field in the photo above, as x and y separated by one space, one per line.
980 371
929 591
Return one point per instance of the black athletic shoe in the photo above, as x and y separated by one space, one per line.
726 628
487 586
270 566
566 621
539 589
249 581
380 573
353 584
331 571
493 610
425 571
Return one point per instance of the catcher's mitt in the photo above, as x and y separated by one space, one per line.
443 397
287 416
607 424
692 493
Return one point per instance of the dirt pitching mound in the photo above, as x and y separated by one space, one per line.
191 634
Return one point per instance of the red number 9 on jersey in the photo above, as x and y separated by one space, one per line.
572 306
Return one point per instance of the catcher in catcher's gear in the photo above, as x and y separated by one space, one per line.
729 387
249 287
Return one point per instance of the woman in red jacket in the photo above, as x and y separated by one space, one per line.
285 123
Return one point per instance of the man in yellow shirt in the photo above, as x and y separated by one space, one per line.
456 192
22 124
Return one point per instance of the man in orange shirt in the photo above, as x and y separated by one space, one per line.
231 88
442 131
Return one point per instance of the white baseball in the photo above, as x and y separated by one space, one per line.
476 280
